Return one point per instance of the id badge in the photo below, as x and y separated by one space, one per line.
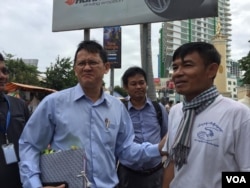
9 153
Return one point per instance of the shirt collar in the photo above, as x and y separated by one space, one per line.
79 93
2 97
147 102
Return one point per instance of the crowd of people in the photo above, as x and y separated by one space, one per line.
125 142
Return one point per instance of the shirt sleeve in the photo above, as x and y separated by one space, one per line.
164 126
34 139
128 151
242 146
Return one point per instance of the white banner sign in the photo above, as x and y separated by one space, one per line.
86 14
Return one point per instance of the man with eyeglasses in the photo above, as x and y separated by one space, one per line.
13 115
86 117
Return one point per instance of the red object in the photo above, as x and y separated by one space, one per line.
170 84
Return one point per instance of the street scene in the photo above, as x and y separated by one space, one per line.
124 94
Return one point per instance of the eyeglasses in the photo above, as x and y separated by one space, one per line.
5 71
91 63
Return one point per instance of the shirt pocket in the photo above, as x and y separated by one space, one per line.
109 135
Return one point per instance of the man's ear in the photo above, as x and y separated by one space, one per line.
213 69
107 67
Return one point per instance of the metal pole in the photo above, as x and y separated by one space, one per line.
111 81
86 34
144 44
146 58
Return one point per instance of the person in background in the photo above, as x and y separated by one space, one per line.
207 133
33 103
169 105
147 128
13 115
86 117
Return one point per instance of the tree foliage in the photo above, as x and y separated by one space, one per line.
60 75
121 91
21 72
244 64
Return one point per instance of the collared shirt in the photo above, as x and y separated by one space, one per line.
219 142
19 114
147 129
68 118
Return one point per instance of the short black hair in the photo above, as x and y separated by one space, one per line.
1 57
92 47
206 50
132 71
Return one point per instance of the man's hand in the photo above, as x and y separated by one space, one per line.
161 144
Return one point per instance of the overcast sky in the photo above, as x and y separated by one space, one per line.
26 32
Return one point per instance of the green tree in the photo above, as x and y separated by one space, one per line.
60 75
121 91
244 64
21 72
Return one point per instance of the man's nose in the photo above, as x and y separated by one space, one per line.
178 71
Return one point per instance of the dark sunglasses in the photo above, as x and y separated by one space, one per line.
5 71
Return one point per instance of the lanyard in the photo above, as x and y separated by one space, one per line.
7 120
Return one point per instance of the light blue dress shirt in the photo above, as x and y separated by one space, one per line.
67 118
147 129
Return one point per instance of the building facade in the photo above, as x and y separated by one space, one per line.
175 33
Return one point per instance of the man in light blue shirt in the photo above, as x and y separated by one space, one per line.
86 117
150 120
